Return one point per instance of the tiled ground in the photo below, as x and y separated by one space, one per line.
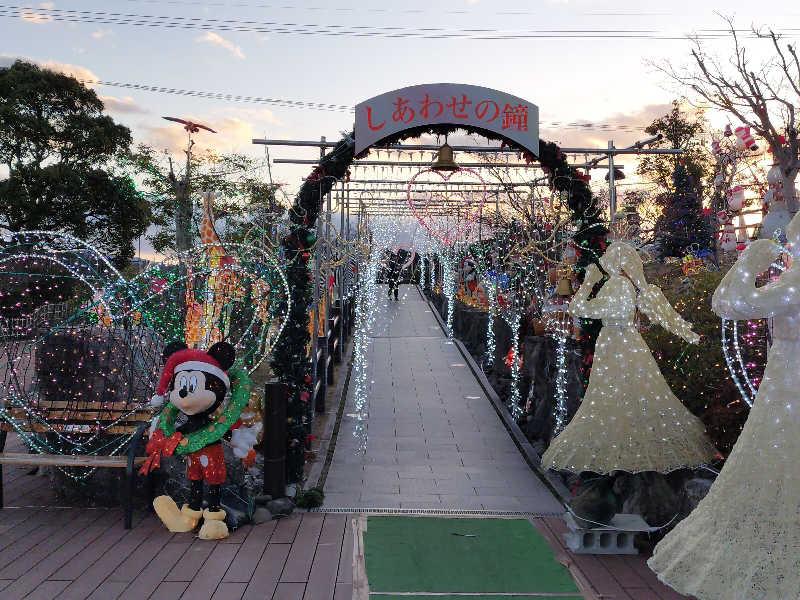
432 439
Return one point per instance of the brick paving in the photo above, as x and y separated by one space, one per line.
433 439
49 552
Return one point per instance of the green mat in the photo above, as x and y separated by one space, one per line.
421 554
482 597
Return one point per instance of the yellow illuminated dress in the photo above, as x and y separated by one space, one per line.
629 419
742 542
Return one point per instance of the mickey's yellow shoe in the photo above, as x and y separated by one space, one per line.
175 519
214 527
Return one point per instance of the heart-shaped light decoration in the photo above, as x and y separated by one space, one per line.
64 339
447 213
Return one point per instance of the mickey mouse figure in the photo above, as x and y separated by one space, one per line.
192 424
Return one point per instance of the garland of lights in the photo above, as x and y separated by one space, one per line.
27 253
739 374
490 341
121 312
366 309
560 407
449 289
258 276
514 399
240 394
290 362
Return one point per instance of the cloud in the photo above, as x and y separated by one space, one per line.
76 71
47 5
101 33
218 40
594 136
122 105
623 128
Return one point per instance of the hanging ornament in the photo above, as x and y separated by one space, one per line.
775 176
728 241
744 140
736 198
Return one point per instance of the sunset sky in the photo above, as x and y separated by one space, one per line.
344 52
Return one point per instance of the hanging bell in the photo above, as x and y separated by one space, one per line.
564 287
444 160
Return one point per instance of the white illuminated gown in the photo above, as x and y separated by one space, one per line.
629 419
742 542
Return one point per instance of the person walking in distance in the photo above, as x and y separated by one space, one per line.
394 276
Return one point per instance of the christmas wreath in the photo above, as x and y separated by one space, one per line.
240 393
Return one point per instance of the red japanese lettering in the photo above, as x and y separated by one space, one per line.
515 116
369 121
483 107
426 103
459 106
402 112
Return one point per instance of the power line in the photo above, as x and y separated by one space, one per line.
221 96
333 30
560 125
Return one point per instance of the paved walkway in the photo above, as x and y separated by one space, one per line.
433 439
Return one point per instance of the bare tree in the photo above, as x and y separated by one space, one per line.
762 97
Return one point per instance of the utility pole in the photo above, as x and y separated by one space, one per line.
612 188
182 188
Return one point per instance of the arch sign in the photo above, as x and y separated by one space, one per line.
447 104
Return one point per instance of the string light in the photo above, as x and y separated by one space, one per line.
560 405
79 333
629 419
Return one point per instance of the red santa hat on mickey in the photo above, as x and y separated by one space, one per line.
180 358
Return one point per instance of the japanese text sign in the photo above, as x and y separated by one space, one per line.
447 104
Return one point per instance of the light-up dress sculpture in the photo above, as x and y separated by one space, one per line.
629 419
742 542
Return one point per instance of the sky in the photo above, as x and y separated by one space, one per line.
344 52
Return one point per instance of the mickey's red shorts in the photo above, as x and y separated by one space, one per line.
207 464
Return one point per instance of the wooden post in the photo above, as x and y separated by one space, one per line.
322 374
275 398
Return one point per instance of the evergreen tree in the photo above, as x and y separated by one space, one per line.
61 155
682 224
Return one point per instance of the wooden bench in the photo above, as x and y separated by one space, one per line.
80 418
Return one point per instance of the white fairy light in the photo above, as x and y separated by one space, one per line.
514 400
490 341
629 419
560 408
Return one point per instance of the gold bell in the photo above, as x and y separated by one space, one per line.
564 287
444 160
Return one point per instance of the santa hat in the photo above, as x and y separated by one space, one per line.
188 360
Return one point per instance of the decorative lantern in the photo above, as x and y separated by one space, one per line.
736 198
